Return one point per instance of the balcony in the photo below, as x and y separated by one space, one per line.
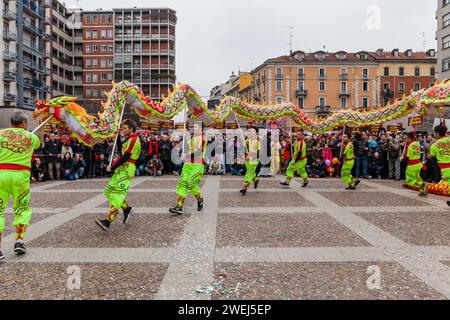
301 76
9 76
343 76
8 97
47 21
36 30
10 36
301 93
35 49
323 110
278 76
33 8
28 101
9 15
47 3
9 56
344 93
33 83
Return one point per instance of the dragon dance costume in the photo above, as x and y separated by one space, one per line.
17 146
191 174
298 164
348 156
253 147
441 150
124 171
413 178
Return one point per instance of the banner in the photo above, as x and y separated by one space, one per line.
179 126
166 124
375 128
219 126
155 126
416 121
394 128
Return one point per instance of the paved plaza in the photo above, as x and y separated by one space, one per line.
317 243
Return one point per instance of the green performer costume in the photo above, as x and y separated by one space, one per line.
16 150
413 178
251 164
191 174
124 171
348 155
298 164
441 150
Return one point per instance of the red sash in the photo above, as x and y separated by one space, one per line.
15 167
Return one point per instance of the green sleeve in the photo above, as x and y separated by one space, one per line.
36 141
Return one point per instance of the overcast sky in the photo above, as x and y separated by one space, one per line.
216 37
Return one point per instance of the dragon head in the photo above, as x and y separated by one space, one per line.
45 108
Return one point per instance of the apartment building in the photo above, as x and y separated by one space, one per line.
443 39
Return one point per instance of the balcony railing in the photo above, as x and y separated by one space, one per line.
301 92
9 15
9 97
9 56
301 76
343 76
33 8
27 24
322 76
8 35
344 93
9 76
323 109
278 76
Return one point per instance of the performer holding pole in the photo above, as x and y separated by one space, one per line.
441 151
253 147
17 146
124 171
348 158
192 172
298 162
412 154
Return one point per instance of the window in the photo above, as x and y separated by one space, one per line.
88 48
446 20
321 86
110 33
301 102
321 73
279 86
103 33
88 78
94 34
365 73
386 71
279 100
88 34
343 103
95 78
343 87
95 19
322 101
401 71
416 86
88 92
110 18
103 47
300 85
94 63
88 19
401 87
103 18
446 42
446 65
95 92
432 71
445 2
110 76
417 72
279 75
386 85
103 63
110 63
300 72
104 77
95 48
343 72
110 48
365 86
88 63
365 103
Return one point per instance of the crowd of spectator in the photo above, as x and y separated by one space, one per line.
377 156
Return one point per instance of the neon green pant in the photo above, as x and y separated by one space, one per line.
15 184
250 174
300 167
190 179
117 189
346 172
445 173
413 178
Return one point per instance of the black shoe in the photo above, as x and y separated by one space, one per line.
2 257
126 214
177 211
19 248
243 192
200 205
350 188
305 184
284 184
256 183
448 203
357 183
104 224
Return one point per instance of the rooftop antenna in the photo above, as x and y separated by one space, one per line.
425 42
291 37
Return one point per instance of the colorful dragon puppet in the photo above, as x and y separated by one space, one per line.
91 130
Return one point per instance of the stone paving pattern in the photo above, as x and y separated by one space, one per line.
314 243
